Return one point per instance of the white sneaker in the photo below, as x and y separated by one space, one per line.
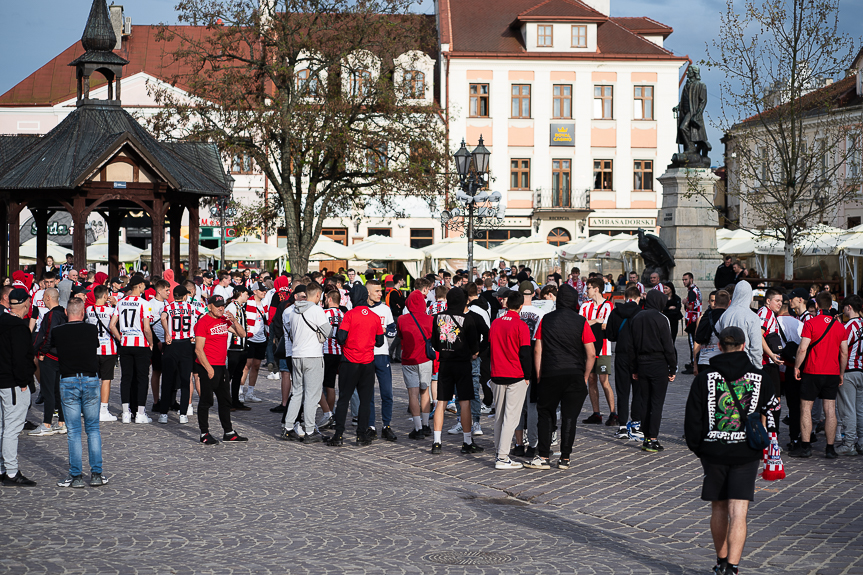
106 416
274 376
484 409
163 418
555 438
241 397
142 418
127 417
251 397
507 464
184 419
190 412
456 429
538 463
476 429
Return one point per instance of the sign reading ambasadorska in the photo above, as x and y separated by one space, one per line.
621 223
562 135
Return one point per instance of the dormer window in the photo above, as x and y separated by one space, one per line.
361 83
415 84
307 85
579 36
544 36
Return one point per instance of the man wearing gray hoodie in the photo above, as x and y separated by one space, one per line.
740 314
309 327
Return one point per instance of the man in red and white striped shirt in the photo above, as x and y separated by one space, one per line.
257 310
332 355
130 326
656 283
576 282
769 325
178 319
850 399
205 290
100 315
596 311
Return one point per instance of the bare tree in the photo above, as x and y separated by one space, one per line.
791 144
325 95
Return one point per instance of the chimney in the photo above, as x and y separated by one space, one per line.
117 23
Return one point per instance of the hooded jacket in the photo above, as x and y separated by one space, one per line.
308 318
16 353
454 333
414 341
619 329
651 335
740 314
562 333
368 330
168 276
713 427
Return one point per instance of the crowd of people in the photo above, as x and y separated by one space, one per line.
491 344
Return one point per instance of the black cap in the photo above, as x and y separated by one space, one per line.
217 301
798 292
78 289
115 281
135 280
732 336
299 289
180 292
207 275
18 296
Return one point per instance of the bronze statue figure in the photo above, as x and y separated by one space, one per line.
691 130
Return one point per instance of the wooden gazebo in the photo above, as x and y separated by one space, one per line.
101 159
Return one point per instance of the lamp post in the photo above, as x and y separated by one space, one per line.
468 216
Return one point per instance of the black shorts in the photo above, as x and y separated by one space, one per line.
107 363
331 369
258 350
156 358
814 386
452 377
724 482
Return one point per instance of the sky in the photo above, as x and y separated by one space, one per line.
44 28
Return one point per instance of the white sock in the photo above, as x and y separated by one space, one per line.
467 438
104 407
417 423
141 410
437 436
425 418
125 408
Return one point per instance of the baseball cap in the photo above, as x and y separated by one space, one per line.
135 280
18 296
180 291
217 301
207 275
115 281
798 292
526 287
258 286
78 289
504 292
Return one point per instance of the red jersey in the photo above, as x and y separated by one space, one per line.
768 325
215 332
507 335
854 337
591 310
823 358
131 313
362 325
335 317
100 316
693 304
182 317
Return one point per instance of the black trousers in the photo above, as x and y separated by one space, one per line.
485 377
236 365
624 385
792 400
359 377
219 385
49 381
134 370
568 391
653 383
177 361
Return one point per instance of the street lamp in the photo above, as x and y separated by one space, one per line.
467 215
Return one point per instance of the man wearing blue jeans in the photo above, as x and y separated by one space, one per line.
76 343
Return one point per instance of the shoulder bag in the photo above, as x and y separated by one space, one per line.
756 435
321 337
430 352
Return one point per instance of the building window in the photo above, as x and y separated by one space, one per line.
579 36
642 180
602 175
242 164
361 83
643 103
415 84
544 36
853 221
521 101
562 101
560 183
388 232
421 238
376 158
492 238
338 235
602 98
479 100
519 175
558 237
307 85
854 157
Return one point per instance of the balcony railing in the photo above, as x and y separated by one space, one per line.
548 199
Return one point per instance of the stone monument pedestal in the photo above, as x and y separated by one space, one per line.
688 224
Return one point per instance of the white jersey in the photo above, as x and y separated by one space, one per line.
100 316
39 303
131 313
155 308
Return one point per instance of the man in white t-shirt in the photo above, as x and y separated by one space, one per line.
382 362
48 281
131 327
224 289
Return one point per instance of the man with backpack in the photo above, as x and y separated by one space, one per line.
618 329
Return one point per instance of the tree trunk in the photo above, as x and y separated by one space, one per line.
789 260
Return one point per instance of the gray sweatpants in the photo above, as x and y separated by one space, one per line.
508 403
306 386
850 406
11 423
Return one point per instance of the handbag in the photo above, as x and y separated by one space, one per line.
321 337
756 435
789 348
430 352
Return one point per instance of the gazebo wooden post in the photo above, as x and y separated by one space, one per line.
194 234
40 219
14 216
156 252
4 247
79 215
175 217
113 217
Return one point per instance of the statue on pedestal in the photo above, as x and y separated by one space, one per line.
656 257
691 130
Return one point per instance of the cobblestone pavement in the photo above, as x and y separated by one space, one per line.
175 506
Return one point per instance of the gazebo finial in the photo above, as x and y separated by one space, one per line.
99 40
99 33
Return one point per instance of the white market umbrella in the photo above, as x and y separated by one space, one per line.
384 248
529 249
184 250
98 252
616 250
602 248
328 249
456 249
738 243
28 251
575 250
251 248
805 244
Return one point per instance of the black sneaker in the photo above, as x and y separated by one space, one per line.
657 445
18 480
335 441
530 452
416 434
517 451
786 420
28 426
363 439
650 446
292 435
233 437
594 419
563 463
813 438
279 409
830 452
436 449
372 433
239 406
468 448
612 420
208 439
315 437
427 431
388 434
800 451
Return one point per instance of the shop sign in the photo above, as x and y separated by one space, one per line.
621 223
562 135
215 222
54 229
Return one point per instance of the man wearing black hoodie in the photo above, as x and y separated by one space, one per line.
714 430
359 333
619 329
654 364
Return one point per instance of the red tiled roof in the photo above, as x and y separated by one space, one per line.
445 22
644 25
841 94
551 10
